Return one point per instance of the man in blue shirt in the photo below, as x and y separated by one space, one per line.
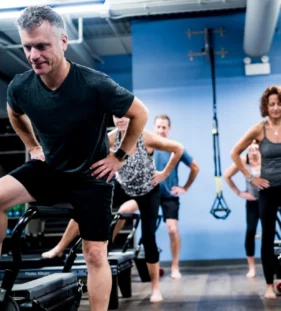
170 190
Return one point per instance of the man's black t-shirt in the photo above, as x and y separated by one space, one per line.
70 121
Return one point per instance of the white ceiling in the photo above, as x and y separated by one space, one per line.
107 32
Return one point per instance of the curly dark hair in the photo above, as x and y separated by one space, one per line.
272 90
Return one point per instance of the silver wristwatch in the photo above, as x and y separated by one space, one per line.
250 179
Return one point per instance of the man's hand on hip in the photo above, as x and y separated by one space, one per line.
109 165
176 190
36 153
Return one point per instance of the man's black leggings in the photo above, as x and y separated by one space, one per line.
269 200
252 218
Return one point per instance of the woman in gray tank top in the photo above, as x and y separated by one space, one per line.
253 163
268 135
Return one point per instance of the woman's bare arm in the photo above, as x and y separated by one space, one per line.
242 144
156 142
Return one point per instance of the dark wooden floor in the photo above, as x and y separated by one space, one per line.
214 288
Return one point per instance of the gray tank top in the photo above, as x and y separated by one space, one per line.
271 161
253 190
135 176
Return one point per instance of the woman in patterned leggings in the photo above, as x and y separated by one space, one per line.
137 180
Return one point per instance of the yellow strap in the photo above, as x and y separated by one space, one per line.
218 181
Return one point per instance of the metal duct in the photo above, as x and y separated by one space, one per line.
260 23
131 8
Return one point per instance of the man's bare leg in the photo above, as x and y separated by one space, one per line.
128 207
71 232
99 274
12 193
153 270
173 231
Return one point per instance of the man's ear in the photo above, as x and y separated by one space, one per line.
64 40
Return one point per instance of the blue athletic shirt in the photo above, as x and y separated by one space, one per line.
161 159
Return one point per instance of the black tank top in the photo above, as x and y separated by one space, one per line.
271 161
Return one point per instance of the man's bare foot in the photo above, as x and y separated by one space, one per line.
175 274
251 273
156 296
52 253
270 294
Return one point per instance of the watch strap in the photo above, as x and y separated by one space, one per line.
250 179
121 154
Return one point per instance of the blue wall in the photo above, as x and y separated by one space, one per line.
168 82
119 68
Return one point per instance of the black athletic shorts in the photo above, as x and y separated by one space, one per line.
91 198
170 208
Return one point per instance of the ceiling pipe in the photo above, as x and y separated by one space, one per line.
260 24
123 9
144 8
80 40
80 33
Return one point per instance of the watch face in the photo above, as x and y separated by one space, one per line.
121 154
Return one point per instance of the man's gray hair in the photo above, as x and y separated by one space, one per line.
33 16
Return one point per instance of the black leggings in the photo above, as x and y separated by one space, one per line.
149 207
269 200
252 218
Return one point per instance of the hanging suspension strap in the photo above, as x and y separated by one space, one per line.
219 208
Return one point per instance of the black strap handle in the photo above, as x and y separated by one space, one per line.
219 208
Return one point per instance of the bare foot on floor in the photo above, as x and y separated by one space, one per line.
269 294
251 274
175 274
156 296
52 254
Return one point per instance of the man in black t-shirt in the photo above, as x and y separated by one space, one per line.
68 106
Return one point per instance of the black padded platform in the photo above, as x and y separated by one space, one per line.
120 264
50 293
46 285
31 261
57 211
56 292
35 273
